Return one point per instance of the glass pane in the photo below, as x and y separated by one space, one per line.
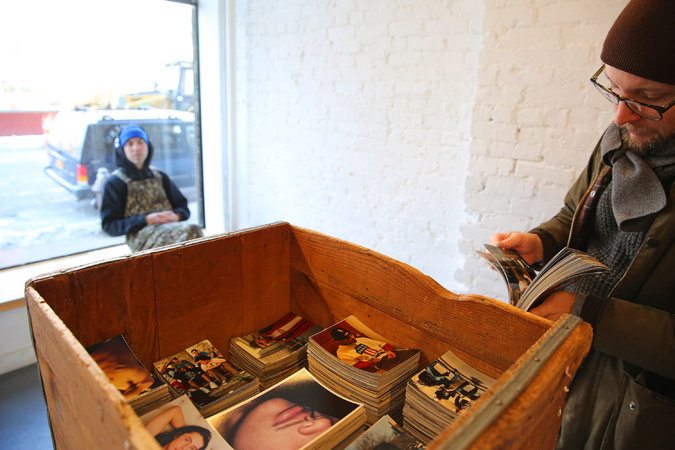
73 73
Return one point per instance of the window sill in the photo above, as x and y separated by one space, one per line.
13 280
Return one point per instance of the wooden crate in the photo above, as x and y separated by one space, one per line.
166 299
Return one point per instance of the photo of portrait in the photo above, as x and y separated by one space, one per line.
287 416
359 346
178 425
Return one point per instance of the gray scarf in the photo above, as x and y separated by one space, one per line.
637 189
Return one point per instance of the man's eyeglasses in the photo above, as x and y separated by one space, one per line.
644 110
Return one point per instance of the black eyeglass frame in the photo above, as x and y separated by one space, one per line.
629 102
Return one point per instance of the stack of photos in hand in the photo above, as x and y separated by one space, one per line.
212 382
298 412
439 394
528 288
386 434
276 351
179 425
143 390
356 362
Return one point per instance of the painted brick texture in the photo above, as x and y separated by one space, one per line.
415 128
535 120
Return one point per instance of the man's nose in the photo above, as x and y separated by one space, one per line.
623 114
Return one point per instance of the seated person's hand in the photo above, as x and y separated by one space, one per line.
162 217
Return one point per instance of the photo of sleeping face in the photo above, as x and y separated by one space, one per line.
277 423
287 416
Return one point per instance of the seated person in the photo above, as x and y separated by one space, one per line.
142 202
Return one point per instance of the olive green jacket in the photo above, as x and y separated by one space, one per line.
623 395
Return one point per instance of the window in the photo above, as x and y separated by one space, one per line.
75 72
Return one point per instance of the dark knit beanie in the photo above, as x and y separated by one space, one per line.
642 40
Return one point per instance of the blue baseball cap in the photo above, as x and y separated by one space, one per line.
132 131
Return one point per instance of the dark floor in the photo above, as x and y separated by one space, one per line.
23 415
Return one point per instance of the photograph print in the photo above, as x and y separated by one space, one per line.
357 345
279 339
287 416
178 425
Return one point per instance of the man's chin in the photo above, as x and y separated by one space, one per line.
641 143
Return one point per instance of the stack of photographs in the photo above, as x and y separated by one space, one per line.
212 382
142 389
276 351
386 434
362 365
298 412
528 288
439 394
179 424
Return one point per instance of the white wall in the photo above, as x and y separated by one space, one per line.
536 118
415 128
16 346
354 119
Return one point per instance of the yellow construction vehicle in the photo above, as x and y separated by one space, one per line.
181 98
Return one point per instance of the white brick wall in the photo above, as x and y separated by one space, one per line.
536 118
414 127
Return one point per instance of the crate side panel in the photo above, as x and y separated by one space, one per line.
101 301
120 296
533 419
266 275
538 411
85 410
325 306
198 294
56 291
222 287
492 331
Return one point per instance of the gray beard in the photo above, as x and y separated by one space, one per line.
650 148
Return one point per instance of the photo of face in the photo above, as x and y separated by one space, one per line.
187 441
280 424
178 425
293 413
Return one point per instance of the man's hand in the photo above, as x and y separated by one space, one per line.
528 245
557 304
162 217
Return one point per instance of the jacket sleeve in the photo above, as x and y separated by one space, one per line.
639 334
176 197
113 204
